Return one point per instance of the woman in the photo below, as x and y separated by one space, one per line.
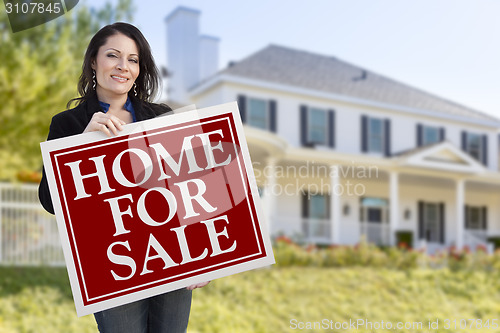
118 82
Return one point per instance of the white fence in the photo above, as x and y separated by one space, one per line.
28 234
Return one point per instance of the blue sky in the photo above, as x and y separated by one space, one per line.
450 48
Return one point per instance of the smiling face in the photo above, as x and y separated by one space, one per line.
116 66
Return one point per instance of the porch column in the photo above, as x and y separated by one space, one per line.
269 197
335 192
459 207
393 206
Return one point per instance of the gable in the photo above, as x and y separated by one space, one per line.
446 156
442 156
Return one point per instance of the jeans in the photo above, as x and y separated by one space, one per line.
167 312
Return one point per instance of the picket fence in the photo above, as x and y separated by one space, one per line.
28 234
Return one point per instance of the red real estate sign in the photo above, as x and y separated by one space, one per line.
170 202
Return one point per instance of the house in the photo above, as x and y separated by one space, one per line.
340 153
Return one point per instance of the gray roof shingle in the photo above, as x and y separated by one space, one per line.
304 69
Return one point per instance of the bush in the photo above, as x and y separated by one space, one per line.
495 241
404 238
288 253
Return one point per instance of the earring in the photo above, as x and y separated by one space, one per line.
94 83
135 91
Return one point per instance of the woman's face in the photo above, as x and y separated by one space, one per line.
116 67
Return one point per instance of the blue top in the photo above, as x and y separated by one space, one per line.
128 106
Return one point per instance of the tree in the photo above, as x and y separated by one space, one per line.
39 71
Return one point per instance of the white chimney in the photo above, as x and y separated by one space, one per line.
191 57
183 52
209 56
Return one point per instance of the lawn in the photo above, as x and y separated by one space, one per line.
283 299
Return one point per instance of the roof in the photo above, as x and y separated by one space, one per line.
304 69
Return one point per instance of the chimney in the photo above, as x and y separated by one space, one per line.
209 56
191 57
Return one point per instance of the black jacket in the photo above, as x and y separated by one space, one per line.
74 121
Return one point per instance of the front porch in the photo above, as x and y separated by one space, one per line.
318 231
439 195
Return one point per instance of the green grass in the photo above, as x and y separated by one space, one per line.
39 299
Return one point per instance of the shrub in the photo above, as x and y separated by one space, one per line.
288 253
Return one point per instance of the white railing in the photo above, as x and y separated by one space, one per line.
430 247
308 230
28 234
472 239
317 230
377 233
475 238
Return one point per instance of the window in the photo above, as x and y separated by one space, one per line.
316 214
318 206
475 217
375 135
430 135
474 145
475 220
431 221
257 113
318 126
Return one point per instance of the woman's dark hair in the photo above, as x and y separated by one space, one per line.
147 82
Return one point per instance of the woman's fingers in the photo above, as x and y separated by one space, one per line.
198 285
106 123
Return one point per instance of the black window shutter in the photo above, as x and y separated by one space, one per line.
364 134
331 128
442 134
305 205
484 213
242 105
466 217
272 116
441 222
420 130
328 208
464 140
421 220
485 150
361 210
303 125
387 137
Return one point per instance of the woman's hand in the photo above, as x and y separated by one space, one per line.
198 285
106 123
